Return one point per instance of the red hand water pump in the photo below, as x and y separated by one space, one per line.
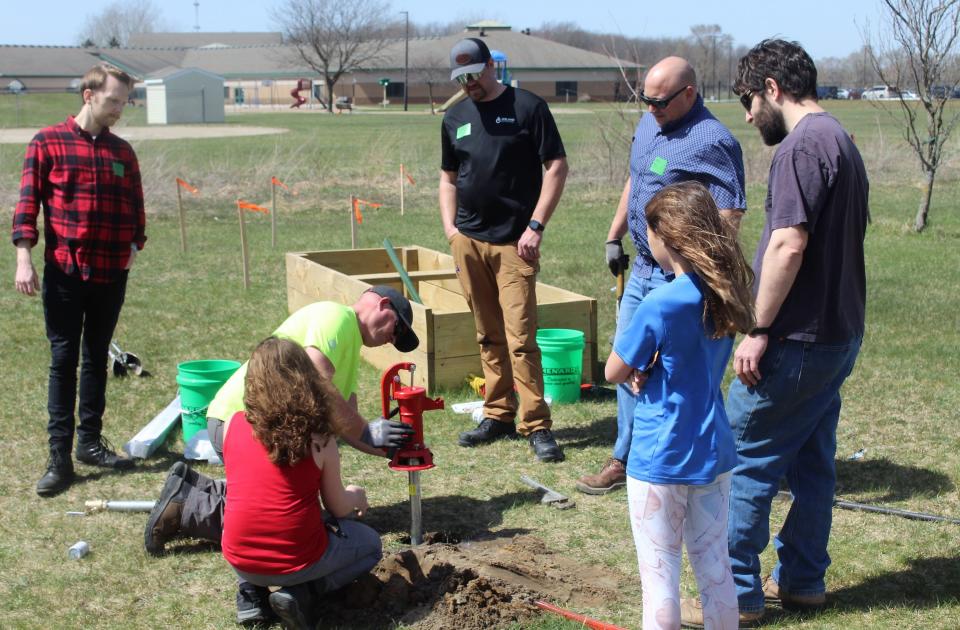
413 457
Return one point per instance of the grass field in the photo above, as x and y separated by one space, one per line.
900 405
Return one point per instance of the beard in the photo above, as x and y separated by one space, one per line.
770 123
477 92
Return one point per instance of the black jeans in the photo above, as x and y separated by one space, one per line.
78 315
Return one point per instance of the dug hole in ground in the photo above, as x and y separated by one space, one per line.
491 582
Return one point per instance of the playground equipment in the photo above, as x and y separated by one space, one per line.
302 84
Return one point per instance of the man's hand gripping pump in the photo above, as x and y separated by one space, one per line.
414 455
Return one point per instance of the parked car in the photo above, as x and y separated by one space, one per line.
907 95
826 91
944 91
843 93
880 93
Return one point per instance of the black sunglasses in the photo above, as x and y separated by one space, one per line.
746 99
467 77
660 103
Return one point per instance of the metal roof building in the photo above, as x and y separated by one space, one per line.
259 69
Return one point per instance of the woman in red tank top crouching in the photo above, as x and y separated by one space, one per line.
281 461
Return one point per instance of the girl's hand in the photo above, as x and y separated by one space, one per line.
637 380
359 496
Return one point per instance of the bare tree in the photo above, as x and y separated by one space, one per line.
114 25
920 53
430 70
335 37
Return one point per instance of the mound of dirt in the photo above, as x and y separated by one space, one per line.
474 585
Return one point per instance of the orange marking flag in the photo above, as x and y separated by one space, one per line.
407 175
356 207
192 189
246 205
277 182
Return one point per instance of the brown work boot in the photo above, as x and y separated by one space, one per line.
613 475
163 523
691 615
773 593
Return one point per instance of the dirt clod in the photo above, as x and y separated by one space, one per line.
471 585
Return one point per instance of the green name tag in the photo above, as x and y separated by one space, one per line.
118 169
463 131
659 166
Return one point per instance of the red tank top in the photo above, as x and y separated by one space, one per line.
272 520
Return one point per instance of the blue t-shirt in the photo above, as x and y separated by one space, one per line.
680 430
696 147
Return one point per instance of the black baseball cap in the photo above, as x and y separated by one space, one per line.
468 55
406 340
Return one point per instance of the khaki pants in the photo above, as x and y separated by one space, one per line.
500 288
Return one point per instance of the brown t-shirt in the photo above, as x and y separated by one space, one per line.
817 180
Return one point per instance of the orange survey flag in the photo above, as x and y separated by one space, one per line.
246 205
409 179
356 207
277 182
192 189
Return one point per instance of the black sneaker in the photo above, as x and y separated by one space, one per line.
100 453
294 605
545 446
487 431
253 606
163 524
59 474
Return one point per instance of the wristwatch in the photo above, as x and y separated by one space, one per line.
759 330
536 226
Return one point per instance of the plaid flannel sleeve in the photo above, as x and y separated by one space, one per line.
31 184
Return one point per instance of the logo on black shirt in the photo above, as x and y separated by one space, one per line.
506 120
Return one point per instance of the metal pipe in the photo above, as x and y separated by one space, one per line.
119 506
416 525
917 516
877 509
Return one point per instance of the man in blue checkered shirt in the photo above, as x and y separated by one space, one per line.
677 140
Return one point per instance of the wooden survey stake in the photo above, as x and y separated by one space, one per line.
183 221
353 222
243 247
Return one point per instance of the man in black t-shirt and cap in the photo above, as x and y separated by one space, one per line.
503 168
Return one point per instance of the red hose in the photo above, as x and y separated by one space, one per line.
587 622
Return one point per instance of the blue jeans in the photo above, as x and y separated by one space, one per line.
349 554
637 288
786 427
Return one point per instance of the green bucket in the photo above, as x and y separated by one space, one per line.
199 382
562 356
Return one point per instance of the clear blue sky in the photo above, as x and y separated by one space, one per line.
827 28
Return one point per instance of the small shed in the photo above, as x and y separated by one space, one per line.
184 95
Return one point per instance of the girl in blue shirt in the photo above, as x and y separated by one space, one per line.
674 352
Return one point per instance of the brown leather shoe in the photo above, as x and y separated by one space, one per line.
773 593
691 615
163 523
612 476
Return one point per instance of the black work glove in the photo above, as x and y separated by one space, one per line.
382 433
615 256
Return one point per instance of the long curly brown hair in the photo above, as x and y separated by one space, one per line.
686 217
288 402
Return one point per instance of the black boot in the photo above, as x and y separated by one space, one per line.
295 606
59 474
253 605
98 452
488 431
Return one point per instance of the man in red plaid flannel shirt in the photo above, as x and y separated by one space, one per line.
88 182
